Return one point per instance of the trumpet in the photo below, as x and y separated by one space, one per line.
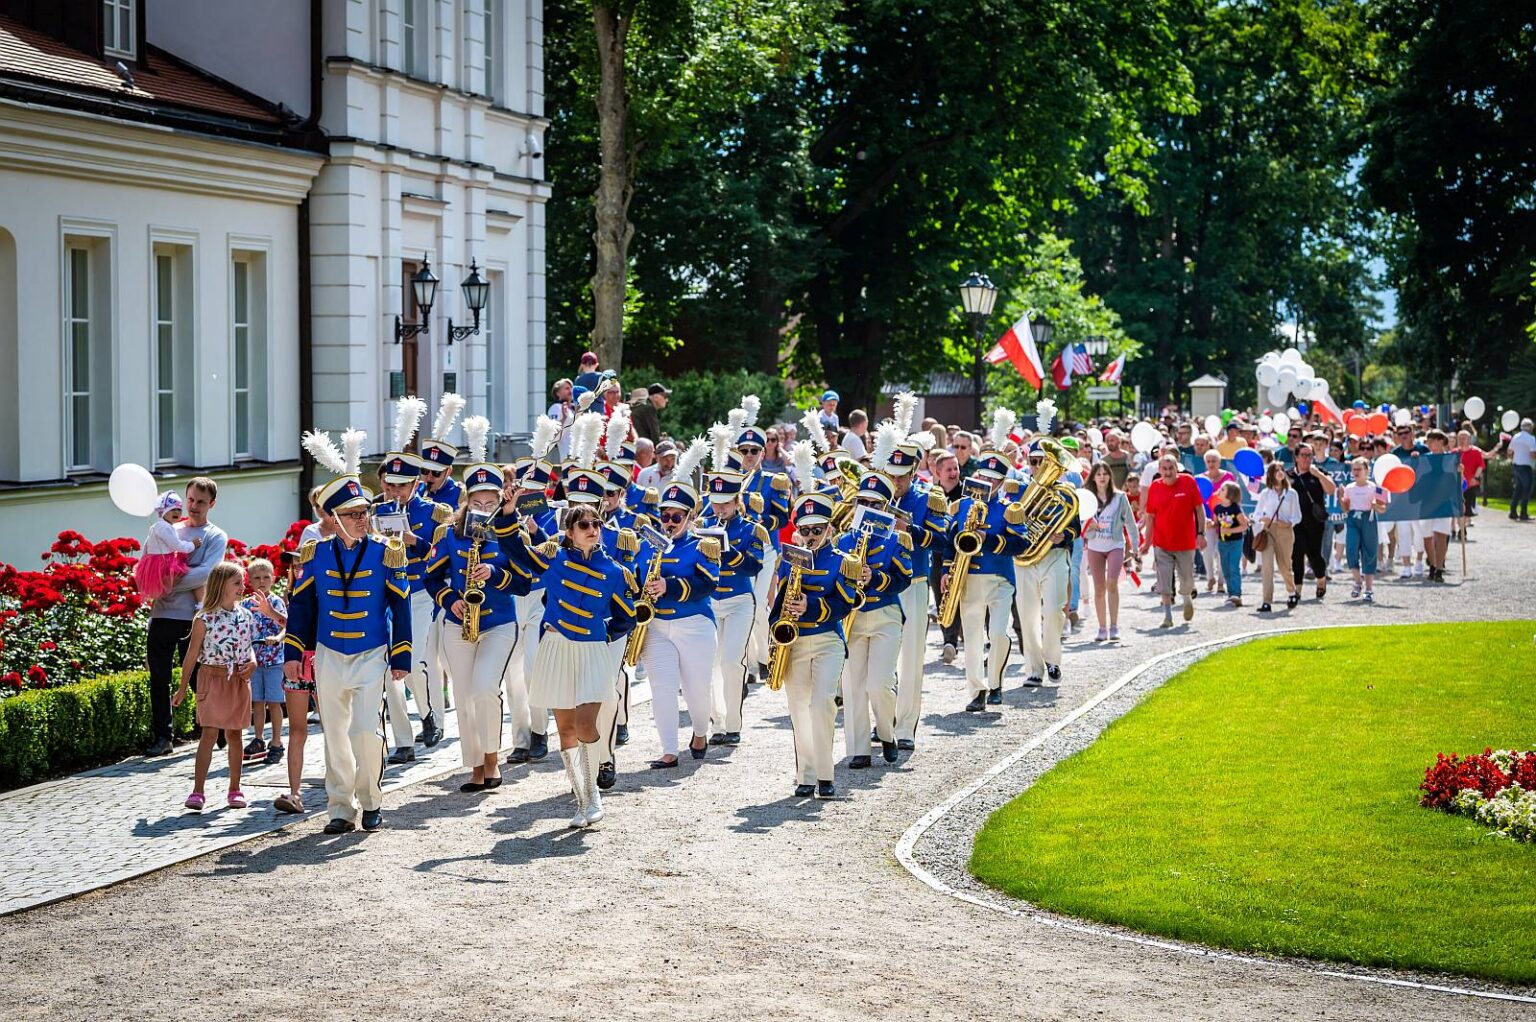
967 546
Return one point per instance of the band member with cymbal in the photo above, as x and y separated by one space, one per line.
734 604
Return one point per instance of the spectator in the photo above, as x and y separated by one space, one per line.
1107 536
774 462
270 615
220 647
646 415
855 440
656 476
1312 487
1218 477
1274 521
1231 525
828 415
1231 442
1174 513
1362 501
1117 457
962 446
638 394
563 411
1473 465
645 452
1522 457
170 619
588 376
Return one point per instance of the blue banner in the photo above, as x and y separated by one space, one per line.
1341 475
1436 491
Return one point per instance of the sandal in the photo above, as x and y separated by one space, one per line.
235 800
288 803
195 802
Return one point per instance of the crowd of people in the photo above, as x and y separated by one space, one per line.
812 556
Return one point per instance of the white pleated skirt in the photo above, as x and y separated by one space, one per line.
567 673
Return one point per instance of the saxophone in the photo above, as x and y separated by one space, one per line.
645 610
1045 508
474 592
784 632
967 546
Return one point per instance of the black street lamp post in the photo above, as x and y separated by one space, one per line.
977 297
476 290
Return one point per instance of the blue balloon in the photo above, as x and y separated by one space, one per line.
1301 406
1205 486
1423 409
1386 408
1248 462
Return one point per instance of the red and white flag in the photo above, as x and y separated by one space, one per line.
1113 371
1018 347
1061 371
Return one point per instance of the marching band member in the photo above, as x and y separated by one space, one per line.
529 723
400 475
474 582
874 629
352 608
927 511
1042 591
679 647
437 454
989 585
622 546
766 497
815 658
735 606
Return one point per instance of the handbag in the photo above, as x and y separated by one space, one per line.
1261 541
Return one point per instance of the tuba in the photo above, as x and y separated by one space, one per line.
1045 508
786 629
967 546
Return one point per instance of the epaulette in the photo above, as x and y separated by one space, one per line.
548 549
954 507
850 567
761 533
629 579
441 513
779 481
904 538
441 532
307 551
1014 513
755 502
394 553
1011 486
641 520
709 546
937 503
652 496
628 541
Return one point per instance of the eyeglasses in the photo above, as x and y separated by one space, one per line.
673 517
356 516
587 523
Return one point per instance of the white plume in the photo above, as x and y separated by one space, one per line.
352 442
887 436
477 428
586 433
924 439
805 465
326 454
690 460
408 413
751 404
546 433
1045 414
1003 421
617 432
735 421
905 411
448 410
585 401
811 420
720 439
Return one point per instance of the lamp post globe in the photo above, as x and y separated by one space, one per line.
977 297
424 287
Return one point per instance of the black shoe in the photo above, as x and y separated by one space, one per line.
256 749
274 755
404 754
995 697
661 764
1053 671
339 826
469 786
621 735
221 743
978 704
373 819
1264 608
762 669
1034 681
698 753
906 744
859 763
162 747
1291 601
717 739
733 738
607 774
431 734
492 783
824 789
804 790
888 750
516 756
838 699
538 746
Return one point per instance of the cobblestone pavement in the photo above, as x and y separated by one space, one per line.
707 891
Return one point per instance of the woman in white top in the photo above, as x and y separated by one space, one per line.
1274 520
1106 538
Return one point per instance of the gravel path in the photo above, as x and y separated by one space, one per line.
708 891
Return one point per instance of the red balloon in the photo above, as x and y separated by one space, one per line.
1399 480
1379 423
1358 425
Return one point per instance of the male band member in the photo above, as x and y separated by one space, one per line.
874 629
827 595
400 475
766 496
1042 590
437 455
927 510
352 608
622 544
530 724
735 605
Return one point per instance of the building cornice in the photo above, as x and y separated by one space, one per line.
362 152
426 88
54 142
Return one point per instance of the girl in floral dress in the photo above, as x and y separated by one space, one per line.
222 646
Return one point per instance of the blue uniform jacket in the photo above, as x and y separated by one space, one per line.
691 570
1000 541
446 581
641 500
621 544
829 592
771 506
929 511
548 524
425 516
890 568
448 493
350 602
587 598
740 564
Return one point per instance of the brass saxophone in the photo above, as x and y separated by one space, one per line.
474 592
784 632
967 546
1045 508
645 611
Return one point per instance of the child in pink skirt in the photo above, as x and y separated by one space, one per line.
164 559
222 645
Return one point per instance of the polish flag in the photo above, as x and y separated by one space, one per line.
1018 347
1113 371
1327 410
1061 371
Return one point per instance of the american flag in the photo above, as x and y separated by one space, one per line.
1082 362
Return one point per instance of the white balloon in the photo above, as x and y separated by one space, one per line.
1303 388
1511 419
1266 423
1087 504
1282 423
133 490
1213 426
1288 378
1095 435
1277 395
1474 408
1319 388
1268 373
1291 356
1383 465
1145 437
1402 417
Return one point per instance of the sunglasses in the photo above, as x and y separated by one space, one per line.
588 523
752 450
433 473
813 530
673 517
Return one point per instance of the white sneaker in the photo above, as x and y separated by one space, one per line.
948 653
1407 573
1418 571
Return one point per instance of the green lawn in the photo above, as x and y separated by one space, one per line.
1266 800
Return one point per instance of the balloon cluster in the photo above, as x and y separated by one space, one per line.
1283 374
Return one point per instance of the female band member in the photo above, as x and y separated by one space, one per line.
734 604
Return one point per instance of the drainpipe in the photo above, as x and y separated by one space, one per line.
306 303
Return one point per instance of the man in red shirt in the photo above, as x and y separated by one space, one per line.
1174 522
1472 466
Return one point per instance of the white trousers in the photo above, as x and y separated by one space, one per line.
757 643
984 621
350 691
614 703
678 656
530 623
874 642
810 686
734 617
477 669
425 679
914 646
1041 597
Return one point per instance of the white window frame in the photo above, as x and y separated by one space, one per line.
255 255
99 238
490 48
415 28
164 323
240 322
496 372
72 393
113 13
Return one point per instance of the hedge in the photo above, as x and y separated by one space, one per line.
52 731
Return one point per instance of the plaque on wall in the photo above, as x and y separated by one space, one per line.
396 385
450 383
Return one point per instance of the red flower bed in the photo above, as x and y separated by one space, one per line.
1481 772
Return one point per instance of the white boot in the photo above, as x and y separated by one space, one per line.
576 774
594 799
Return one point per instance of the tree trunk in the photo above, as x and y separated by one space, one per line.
614 231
